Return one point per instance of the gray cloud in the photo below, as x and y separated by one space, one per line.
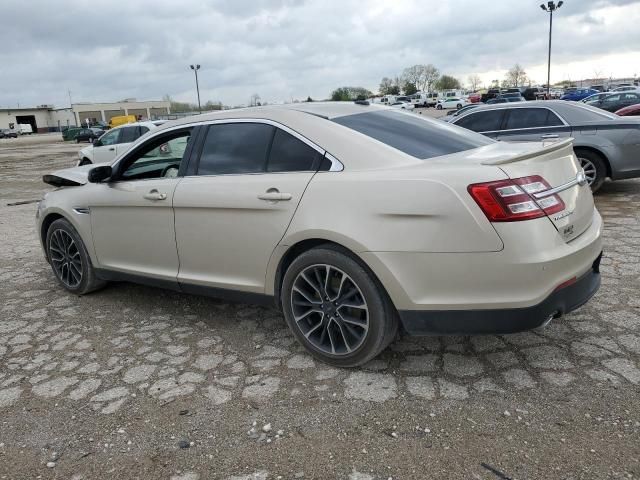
281 48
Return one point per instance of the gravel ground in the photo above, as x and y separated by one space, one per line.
135 382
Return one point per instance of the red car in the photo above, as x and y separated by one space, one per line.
474 97
629 111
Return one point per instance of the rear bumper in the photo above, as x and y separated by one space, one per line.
506 320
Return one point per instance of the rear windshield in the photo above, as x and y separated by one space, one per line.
417 136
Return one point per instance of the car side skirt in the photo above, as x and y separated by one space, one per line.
508 320
235 296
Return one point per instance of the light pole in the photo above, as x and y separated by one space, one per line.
195 69
550 7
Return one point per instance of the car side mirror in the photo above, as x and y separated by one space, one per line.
97 143
98 174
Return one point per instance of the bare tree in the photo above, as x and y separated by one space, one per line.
430 76
254 100
515 77
413 75
474 82
386 85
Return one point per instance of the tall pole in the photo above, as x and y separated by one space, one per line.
195 69
549 57
550 7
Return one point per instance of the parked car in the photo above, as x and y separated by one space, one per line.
89 135
451 114
626 88
491 93
534 93
595 96
578 94
403 105
121 120
7 133
615 101
601 140
70 133
114 142
256 209
474 97
630 111
453 102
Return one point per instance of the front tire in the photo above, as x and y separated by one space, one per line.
69 259
439 107
458 107
336 308
594 168
84 161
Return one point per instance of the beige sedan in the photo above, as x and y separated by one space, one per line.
354 219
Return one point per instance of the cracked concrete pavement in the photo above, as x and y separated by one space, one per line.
137 382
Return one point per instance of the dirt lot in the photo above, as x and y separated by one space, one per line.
135 382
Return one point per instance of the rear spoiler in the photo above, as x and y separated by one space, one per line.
559 145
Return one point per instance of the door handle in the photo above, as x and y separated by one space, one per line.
155 195
549 136
112 149
273 195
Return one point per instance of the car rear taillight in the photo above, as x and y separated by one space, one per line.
512 200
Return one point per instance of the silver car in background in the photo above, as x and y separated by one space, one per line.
608 146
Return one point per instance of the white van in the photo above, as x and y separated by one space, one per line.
25 129
422 99
386 100
446 94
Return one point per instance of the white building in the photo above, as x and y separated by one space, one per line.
43 118
103 112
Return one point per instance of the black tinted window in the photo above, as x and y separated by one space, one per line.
143 130
482 121
531 118
235 148
412 134
128 134
288 154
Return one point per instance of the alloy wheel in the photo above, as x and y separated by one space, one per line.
589 169
329 309
65 258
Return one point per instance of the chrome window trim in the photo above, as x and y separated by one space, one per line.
336 165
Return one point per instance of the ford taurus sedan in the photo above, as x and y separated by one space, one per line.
607 146
355 220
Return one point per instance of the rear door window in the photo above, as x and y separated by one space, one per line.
235 148
531 118
488 121
128 134
288 154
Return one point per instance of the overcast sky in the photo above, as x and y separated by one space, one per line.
284 49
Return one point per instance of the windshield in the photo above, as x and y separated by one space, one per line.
414 135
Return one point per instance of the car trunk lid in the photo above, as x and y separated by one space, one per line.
557 164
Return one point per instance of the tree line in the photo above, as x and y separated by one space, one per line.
427 78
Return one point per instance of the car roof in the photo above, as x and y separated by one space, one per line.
146 123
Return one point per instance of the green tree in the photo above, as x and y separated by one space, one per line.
350 93
409 88
447 82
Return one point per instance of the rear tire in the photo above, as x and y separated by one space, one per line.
70 260
315 307
458 107
594 167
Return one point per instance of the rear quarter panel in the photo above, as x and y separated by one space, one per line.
421 209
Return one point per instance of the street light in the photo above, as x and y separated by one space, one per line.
195 69
550 7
